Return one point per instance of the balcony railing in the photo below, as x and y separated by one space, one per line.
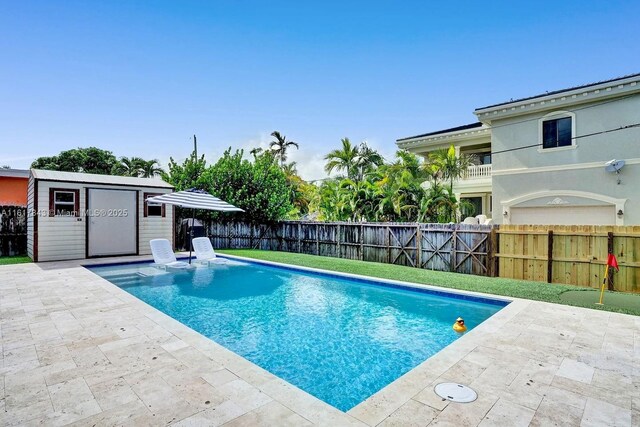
478 171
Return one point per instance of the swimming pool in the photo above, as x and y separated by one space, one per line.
339 339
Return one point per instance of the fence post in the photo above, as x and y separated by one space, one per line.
418 246
388 243
454 245
338 239
491 253
610 251
361 241
299 238
550 256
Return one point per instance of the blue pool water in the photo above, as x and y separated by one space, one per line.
340 340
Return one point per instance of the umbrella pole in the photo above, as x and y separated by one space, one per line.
193 216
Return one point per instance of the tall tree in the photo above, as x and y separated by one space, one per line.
367 159
280 145
256 151
344 159
88 160
150 168
187 175
450 166
259 187
290 169
128 166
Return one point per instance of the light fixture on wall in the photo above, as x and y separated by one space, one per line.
505 213
620 213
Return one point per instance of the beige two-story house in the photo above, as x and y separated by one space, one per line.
552 155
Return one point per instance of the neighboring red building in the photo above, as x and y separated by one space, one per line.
13 187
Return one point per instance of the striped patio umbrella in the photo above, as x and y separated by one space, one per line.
194 199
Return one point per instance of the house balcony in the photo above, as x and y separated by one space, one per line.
478 172
477 179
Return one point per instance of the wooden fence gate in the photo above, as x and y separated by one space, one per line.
456 247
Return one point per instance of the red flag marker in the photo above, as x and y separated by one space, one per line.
611 262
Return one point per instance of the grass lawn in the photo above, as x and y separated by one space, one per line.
6 260
555 293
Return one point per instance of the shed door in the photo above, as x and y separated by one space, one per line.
112 219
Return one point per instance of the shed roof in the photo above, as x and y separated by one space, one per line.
15 173
91 178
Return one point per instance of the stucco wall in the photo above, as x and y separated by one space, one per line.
520 172
13 191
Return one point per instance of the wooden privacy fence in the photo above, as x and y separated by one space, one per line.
556 254
569 254
458 248
13 230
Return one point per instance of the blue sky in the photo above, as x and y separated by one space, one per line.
139 78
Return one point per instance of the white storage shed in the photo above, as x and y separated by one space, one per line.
80 215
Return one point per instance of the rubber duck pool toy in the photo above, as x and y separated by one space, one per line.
459 325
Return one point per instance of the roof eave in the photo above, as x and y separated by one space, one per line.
581 95
443 138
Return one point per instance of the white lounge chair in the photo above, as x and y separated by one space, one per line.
163 255
470 220
204 251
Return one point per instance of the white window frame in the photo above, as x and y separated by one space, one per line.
154 205
71 203
148 204
554 115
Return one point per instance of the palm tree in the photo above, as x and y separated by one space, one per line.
128 166
280 146
255 152
345 159
361 196
437 205
150 168
367 159
450 166
290 169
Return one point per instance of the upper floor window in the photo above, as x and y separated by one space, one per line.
556 133
64 202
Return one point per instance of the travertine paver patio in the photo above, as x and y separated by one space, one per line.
77 349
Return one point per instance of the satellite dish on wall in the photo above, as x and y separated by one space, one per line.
614 166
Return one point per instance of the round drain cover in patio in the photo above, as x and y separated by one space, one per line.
456 392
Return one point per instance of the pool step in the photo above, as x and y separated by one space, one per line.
128 278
